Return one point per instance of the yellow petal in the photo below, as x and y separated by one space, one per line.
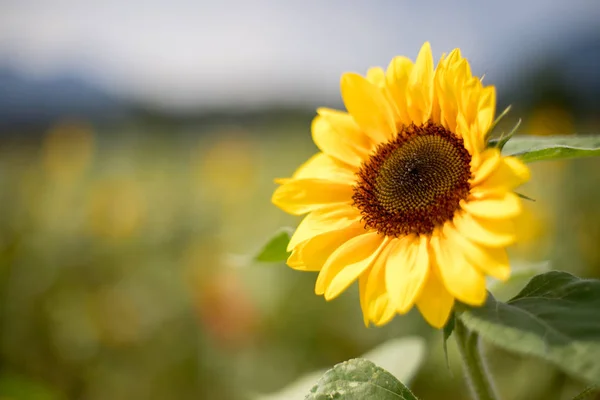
435 302
478 119
464 105
450 78
374 297
463 280
397 75
385 311
509 174
376 76
454 56
347 262
519 168
469 99
406 271
487 108
322 166
420 85
490 261
376 283
369 107
312 254
452 92
436 111
490 159
444 92
464 131
336 134
350 266
328 218
507 205
491 233
304 195
496 263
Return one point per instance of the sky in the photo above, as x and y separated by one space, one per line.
187 54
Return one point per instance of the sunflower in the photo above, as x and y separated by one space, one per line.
405 196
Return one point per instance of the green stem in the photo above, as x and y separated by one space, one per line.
474 367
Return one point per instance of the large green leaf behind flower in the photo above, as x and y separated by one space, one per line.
555 317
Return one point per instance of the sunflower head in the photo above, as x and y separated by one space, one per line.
414 182
404 196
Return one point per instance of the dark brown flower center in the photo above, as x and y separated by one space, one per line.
414 182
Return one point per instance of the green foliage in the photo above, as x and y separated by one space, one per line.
276 248
505 137
537 148
359 379
495 123
400 357
555 317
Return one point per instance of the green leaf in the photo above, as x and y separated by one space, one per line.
500 142
538 148
401 357
359 379
555 317
496 121
524 197
276 248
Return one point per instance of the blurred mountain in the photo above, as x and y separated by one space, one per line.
29 103
568 77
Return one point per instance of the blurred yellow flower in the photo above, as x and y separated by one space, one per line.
116 208
550 120
68 150
227 168
404 195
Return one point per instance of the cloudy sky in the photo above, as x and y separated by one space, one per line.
180 54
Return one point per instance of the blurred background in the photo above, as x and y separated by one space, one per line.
138 145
